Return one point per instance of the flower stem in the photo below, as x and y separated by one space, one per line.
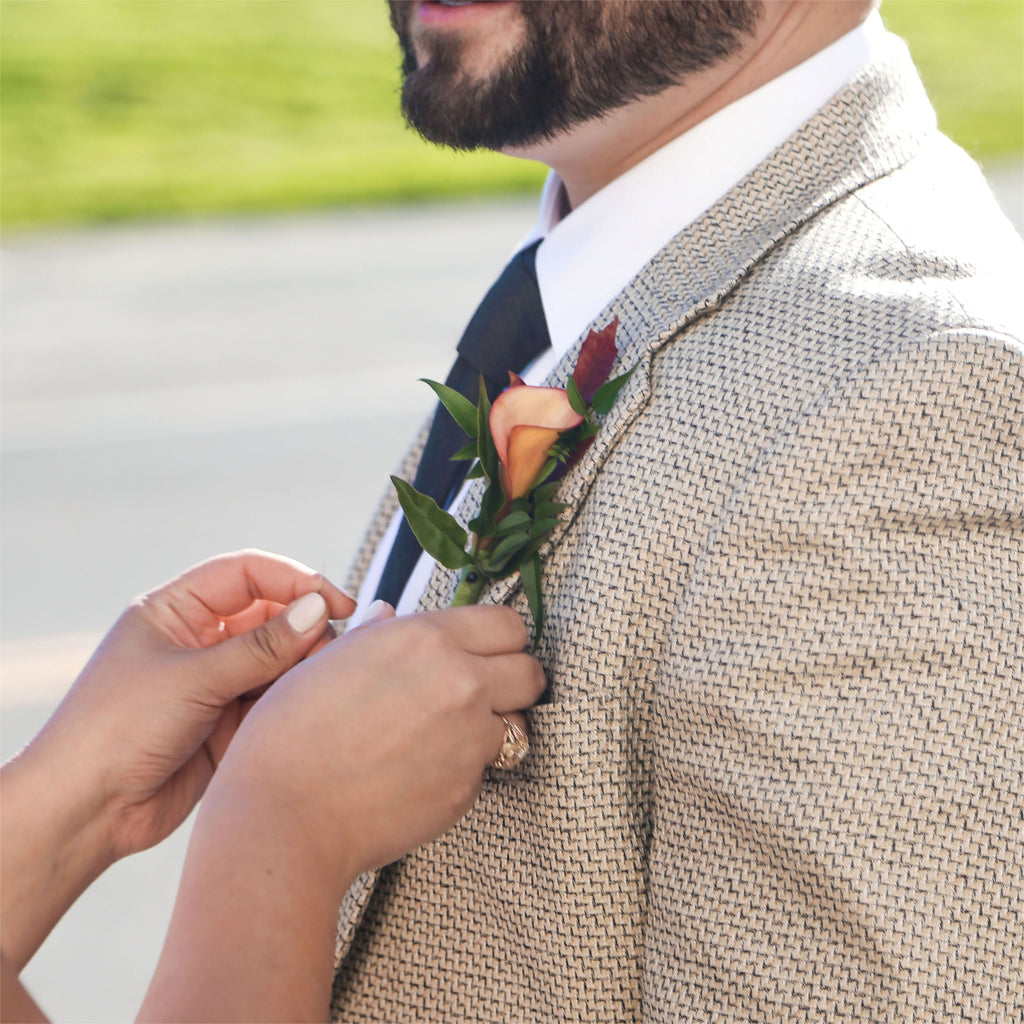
471 583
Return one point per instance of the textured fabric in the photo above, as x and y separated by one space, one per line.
781 777
506 332
593 254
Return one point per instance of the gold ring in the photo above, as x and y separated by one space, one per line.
514 747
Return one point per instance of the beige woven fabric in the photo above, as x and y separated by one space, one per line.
782 773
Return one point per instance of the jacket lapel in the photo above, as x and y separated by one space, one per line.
868 130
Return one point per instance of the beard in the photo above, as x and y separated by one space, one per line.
579 60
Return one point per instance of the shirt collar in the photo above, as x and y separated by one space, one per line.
591 254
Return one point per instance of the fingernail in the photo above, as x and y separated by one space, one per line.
305 613
375 610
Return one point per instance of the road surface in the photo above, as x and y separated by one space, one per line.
175 391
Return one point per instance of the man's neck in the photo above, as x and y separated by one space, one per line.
595 153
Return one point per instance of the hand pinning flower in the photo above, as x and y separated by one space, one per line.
521 444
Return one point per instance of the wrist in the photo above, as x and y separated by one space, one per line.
254 890
55 843
249 801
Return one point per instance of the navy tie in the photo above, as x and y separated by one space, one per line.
507 332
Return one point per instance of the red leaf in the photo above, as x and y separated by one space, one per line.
597 355
515 381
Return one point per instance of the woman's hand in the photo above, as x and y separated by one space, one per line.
374 745
135 742
378 742
158 703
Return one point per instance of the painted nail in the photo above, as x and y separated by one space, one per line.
375 610
305 613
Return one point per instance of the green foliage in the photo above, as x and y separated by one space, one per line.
576 401
604 397
508 533
459 407
971 56
115 109
530 572
438 532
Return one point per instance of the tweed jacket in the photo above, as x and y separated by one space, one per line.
781 773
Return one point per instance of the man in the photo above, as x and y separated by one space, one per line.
780 774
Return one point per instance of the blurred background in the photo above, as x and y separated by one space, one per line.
224 265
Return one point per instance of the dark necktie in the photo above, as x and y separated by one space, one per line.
507 332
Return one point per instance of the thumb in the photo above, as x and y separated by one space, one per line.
261 655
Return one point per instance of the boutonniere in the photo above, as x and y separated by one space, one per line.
521 445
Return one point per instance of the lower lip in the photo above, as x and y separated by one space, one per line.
430 12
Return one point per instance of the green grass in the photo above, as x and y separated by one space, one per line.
124 108
971 56
118 109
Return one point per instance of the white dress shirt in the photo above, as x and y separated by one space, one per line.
591 254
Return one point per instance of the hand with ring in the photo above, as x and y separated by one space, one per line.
367 749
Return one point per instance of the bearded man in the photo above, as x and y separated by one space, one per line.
780 773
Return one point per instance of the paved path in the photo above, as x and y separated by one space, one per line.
171 392
174 391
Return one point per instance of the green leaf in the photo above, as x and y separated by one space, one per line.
606 394
490 505
522 505
536 543
457 404
544 492
549 467
509 546
476 471
438 532
530 573
542 527
465 453
576 400
569 442
512 522
547 509
485 443
498 570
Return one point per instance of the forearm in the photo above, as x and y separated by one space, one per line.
15 1002
55 844
253 930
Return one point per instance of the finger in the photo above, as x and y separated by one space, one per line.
484 629
228 584
264 611
329 635
377 612
516 681
255 615
243 663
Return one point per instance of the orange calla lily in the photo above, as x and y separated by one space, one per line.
525 422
